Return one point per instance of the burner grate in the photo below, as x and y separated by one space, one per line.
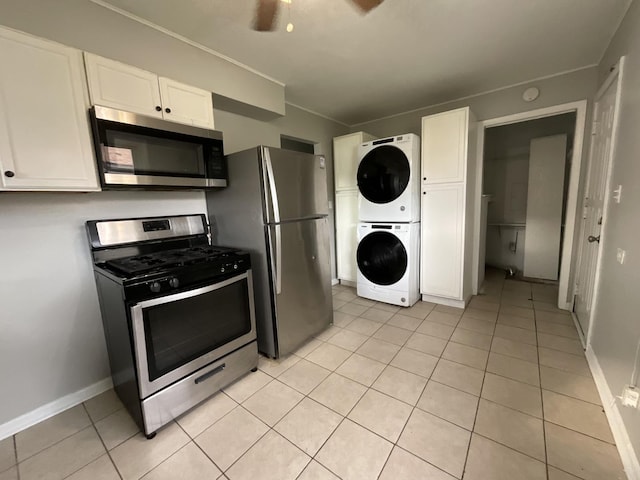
166 260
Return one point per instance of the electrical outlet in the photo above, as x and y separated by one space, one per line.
620 254
630 396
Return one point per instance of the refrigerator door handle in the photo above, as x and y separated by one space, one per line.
276 218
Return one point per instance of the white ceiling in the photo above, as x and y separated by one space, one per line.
403 55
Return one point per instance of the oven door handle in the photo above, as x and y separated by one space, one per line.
276 219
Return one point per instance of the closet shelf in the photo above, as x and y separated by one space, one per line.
513 225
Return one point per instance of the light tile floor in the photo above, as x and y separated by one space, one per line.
499 391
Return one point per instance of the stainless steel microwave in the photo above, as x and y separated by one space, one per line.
136 151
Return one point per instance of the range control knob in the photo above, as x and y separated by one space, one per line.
155 287
235 266
174 282
222 270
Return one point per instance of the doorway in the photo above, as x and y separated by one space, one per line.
296 144
505 145
525 186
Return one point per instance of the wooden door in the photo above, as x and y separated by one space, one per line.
186 104
595 198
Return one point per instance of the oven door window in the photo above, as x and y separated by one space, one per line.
182 330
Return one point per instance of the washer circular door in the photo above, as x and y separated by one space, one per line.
382 258
383 174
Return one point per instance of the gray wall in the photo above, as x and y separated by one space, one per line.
616 321
88 26
569 87
51 338
242 132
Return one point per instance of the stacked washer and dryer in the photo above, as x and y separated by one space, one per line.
389 220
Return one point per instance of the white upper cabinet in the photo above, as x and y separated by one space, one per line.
345 155
45 138
444 146
116 85
186 104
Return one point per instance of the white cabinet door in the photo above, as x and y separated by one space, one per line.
346 234
345 155
444 146
442 243
45 139
116 85
186 104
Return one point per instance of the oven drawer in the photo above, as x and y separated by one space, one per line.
167 404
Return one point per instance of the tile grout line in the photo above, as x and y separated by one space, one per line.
100 437
92 425
15 455
395 444
193 440
539 375
475 417
544 430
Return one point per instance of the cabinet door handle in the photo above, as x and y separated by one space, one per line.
9 173
158 108
168 110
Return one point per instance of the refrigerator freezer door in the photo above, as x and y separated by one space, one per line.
296 185
304 306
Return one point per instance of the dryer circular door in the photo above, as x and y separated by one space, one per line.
382 258
383 174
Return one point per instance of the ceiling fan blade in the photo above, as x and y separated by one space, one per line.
367 5
265 15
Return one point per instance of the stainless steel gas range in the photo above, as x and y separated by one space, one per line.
178 313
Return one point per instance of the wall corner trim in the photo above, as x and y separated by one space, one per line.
609 402
53 408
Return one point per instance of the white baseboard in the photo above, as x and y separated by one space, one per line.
610 404
565 306
53 408
450 302
334 281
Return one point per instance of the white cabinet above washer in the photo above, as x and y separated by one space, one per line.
444 146
114 84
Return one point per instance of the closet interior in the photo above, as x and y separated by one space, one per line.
525 184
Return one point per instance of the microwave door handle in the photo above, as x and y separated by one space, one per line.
276 218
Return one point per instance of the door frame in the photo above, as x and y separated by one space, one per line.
616 74
571 211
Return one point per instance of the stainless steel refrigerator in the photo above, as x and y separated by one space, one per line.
276 208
